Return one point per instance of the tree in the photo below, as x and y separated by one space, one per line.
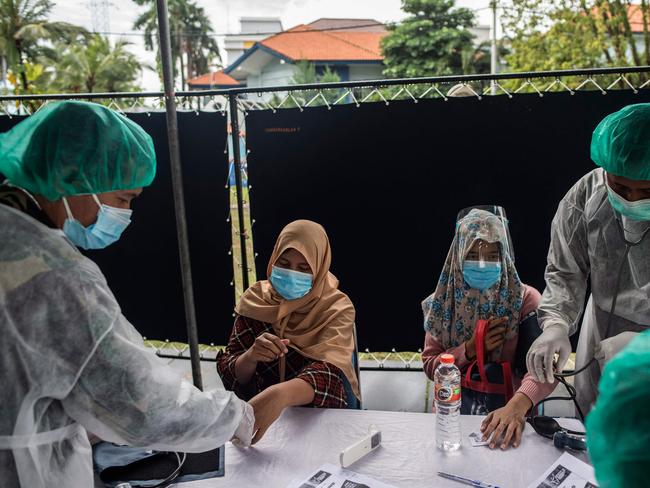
569 34
193 46
478 60
38 80
430 41
24 26
201 47
305 73
97 66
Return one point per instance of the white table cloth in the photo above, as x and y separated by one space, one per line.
302 439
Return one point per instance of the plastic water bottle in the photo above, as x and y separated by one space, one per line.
447 388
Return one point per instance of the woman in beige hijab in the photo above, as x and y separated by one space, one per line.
293 340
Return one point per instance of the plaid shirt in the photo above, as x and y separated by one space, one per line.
325 378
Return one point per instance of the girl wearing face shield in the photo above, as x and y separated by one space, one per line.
479 282
293 339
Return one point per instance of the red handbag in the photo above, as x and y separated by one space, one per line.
493 381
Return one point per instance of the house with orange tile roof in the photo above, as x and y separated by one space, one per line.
216 80
349 47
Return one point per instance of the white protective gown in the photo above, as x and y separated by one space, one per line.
70 363
587 246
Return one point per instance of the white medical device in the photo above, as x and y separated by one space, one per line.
356 451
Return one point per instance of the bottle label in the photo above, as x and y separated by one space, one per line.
447 394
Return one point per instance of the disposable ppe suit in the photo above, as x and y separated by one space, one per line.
70 363
587 245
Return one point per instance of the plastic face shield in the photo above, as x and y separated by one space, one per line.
484 252
499 212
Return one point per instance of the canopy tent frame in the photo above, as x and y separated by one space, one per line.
234 98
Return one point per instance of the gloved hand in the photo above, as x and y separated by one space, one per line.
244 433
554 339
608 348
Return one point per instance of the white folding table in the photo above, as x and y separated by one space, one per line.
302 439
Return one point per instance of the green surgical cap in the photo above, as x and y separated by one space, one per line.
77 148
618 428
621 142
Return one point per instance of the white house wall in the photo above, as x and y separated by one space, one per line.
279 74
273 74
253 81
276 73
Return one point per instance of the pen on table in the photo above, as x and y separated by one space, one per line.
466 481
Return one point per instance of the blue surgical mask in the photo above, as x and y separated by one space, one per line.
108 228
481 274
639 210
290 284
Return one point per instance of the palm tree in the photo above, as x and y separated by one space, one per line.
97 66
193 45
201 47
39 79
24 26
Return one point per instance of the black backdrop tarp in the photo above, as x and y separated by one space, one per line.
143 268
387 182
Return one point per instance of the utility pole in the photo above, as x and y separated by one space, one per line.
494 60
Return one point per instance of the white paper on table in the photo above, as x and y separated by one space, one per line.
476 439
330 476
567 472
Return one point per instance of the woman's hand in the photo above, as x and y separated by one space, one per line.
506 424
494 338
267 406
266 348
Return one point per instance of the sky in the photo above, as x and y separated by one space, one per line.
225 15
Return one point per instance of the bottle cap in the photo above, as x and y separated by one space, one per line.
447 359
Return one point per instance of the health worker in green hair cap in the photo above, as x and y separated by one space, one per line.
81 165
599 236
70 362
618 429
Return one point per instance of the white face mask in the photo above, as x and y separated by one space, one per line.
108 228
639 210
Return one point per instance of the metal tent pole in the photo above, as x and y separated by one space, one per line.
234 121
177 188
493 42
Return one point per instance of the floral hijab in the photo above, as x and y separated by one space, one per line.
451 312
